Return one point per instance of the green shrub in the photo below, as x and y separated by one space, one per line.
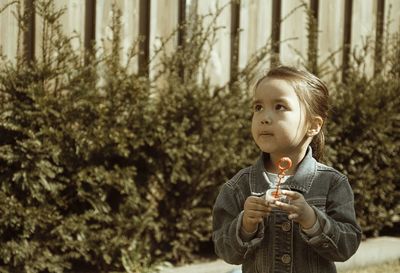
69 151
200 138
104 170
364 137
98 174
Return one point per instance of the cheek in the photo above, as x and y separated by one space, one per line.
253 126
304 122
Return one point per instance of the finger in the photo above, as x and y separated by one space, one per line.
257 214
254 214
285 207
253 201
293 216
261 201
293 195
255 220
257 206
256 199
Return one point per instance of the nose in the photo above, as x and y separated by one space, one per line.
265 119
264 122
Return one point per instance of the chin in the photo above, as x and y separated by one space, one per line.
273 150
267 150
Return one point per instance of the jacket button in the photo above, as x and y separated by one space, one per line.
286 226
286 258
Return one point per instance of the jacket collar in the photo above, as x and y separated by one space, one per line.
301 181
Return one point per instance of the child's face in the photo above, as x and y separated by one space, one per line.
279 125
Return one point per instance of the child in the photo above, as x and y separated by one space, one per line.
317 225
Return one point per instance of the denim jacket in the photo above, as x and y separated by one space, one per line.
279 244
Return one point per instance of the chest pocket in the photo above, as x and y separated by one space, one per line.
319 202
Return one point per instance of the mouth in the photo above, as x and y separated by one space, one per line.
265 134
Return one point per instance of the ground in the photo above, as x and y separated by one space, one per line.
391 267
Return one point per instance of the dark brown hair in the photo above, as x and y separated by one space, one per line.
312 92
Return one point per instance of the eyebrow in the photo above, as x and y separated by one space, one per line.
282 99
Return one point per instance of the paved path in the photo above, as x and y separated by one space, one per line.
371 251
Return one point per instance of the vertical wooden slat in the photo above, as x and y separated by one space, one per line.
181 22
294 41
255 34
380 18
90 23
276 31
313 37
144 31
235 28
90 27
363 31
29 34
348 10
314 5
182 31
330 36
392 12
9 31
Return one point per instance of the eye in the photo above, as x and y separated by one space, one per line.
257 107
280 107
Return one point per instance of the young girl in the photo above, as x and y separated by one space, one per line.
317 225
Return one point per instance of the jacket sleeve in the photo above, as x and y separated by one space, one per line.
227 219
341 234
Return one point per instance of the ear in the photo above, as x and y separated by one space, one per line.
315 126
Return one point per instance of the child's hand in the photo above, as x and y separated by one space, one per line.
255 209
298 209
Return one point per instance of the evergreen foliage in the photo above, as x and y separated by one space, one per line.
69 153
105 170
364 135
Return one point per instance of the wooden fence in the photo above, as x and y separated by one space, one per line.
341 24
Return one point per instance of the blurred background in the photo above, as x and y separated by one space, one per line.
120 119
